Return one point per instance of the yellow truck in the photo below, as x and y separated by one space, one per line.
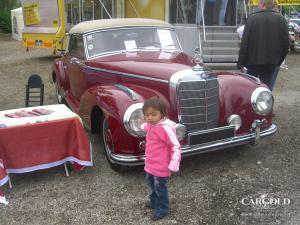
44 24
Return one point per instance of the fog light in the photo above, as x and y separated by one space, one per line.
235 120
180 131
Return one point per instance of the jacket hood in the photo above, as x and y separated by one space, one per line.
168 122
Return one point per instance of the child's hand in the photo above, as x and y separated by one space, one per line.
139 122
173 167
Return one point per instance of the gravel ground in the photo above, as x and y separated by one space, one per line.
209 189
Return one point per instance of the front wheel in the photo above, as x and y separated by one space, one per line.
109 148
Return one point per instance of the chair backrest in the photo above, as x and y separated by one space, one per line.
34 91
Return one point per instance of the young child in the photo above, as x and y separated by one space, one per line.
163 155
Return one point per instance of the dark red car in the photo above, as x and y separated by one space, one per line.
111 67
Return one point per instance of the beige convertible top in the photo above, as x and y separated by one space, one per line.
91 25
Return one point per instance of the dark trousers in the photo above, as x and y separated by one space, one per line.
274 77
263 72
159 199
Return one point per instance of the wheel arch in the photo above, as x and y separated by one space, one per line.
96 119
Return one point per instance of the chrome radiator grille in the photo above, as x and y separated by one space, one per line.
199 104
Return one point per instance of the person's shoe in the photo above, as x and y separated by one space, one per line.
148 205
155 217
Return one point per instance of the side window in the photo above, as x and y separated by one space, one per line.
76 46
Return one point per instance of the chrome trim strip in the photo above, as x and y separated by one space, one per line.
127 74
132 94
202 90
130 160
251 77
200 122
193 107
199 114
213 96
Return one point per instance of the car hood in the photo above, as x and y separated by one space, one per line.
158 64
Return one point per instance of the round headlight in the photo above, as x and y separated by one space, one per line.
180 131
262 101
235 120
133 119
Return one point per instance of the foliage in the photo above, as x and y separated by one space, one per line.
5 18
288 9
5 22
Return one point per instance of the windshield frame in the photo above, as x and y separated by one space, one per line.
179 49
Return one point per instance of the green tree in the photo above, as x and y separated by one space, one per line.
5 18
290 8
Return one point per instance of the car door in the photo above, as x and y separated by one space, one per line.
75 60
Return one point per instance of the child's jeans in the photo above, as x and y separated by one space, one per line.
159 199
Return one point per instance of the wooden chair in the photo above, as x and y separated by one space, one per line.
34 91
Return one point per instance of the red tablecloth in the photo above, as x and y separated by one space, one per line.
41 145
31 147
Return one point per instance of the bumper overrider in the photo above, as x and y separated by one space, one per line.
188 150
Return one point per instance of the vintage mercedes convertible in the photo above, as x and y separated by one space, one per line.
111 67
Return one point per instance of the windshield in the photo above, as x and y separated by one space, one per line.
130 39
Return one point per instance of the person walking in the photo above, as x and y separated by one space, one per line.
265 42
222 12
163 155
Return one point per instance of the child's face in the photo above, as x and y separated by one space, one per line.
152 115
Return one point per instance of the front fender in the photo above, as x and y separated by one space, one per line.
235 98
113 101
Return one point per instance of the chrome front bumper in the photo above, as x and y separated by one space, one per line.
132 160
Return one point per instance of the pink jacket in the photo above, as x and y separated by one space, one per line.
163 152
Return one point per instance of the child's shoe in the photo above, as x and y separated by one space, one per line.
148 205
155 217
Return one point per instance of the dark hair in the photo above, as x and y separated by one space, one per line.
155 103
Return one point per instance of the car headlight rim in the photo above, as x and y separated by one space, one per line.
136 108
257 107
